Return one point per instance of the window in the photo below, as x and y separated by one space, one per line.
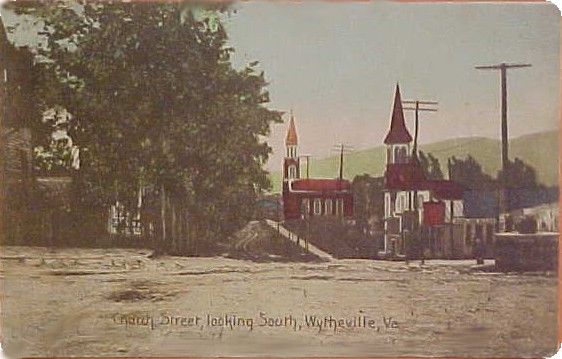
388 155
328 207
400 154
403 155
305 207
339 207
317 206
292 172
387 204
398 204
407 201
292 151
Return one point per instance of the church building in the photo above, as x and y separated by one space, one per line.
309 197
408 192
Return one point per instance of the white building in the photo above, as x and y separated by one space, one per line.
408 193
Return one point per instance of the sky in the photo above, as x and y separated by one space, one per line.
335 64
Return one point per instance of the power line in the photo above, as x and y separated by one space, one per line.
503 67
417 109
342 148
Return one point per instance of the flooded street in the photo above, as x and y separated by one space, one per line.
68 302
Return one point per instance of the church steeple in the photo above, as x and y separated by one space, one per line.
291 162
398 132
292 138
398 138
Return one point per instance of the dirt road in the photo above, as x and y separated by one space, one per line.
83 302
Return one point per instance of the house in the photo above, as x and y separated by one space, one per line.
411 200
308 197
545 214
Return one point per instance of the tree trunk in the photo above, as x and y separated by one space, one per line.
173 226
162 240
189 235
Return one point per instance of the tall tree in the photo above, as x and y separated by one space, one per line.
430 165
469 173
156 103
368 201
519 175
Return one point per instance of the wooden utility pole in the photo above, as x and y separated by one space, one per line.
451 210
505 155
342 148
417 109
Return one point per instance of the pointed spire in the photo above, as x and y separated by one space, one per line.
398 132
291 139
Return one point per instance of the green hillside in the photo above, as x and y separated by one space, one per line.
539 150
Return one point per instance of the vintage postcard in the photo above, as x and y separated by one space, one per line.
279 179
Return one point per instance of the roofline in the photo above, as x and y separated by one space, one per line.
290 186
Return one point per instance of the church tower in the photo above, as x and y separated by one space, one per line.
398 139
291 168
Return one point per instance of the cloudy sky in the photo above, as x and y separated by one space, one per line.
336 64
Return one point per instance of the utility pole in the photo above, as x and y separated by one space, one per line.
417 109
342 148
341 162
503 67
451 210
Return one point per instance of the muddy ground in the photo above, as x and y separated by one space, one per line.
118 302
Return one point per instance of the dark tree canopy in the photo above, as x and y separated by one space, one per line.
519 175
430 166
368 200
469 173
156 103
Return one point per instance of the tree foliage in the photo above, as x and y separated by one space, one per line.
368 201
469 173
156 103
519 175
54 159
430 166
24 92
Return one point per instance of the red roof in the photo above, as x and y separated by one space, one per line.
320 185
291 139
398 132
444 189
410 176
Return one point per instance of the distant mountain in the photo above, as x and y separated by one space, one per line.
540 150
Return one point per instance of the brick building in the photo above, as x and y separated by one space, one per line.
304 197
